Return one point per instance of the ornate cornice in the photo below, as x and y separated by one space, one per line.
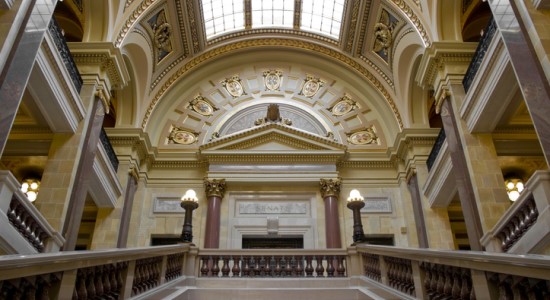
178 164
104 57
304 157
214 187
330 187
271 42
361 164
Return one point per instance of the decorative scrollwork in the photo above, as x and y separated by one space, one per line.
234 86
330 187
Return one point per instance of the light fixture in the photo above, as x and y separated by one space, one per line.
355 203
514 187
189 202
30 187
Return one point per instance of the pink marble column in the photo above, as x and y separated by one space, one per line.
131 188
464 185
418 211
215 189
83 175
330 189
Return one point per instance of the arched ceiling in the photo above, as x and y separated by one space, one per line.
362 60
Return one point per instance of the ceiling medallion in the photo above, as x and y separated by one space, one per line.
311 86
234 86
344 106
202 106
363 137
273 80
181 136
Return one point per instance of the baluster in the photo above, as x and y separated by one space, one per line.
299 268
262 266
288 270
108 269
278 266
309 267
292 266
236 268
448 286
204 268
257 269
225 267
320 270
90 283
98 281
465 289
246 269
341 270
80 288
267 270
215 267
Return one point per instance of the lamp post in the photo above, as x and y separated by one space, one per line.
189 202
355 203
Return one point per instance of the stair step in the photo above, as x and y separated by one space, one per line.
271 289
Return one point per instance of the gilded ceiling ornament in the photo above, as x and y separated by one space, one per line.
202 106
311 86
363 137
181 136
273 116
330 187
343 106
273 80
214 187
234 86
383 34
162 32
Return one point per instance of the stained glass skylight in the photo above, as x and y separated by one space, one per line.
221 16
272 13
322 16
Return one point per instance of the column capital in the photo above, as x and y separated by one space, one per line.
214 187
330 187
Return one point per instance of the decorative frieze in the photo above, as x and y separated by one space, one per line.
377 205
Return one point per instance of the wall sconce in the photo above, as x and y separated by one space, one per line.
30 187
189 202
514 187
355 203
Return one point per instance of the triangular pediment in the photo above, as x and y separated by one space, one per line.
273 140
273 137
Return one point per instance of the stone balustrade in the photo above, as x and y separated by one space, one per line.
270 263
29 232
102 274
527 220
433 274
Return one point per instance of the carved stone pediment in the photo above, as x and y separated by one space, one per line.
273 141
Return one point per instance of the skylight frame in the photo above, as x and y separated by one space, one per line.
320 17
222 16
272 13
323 17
